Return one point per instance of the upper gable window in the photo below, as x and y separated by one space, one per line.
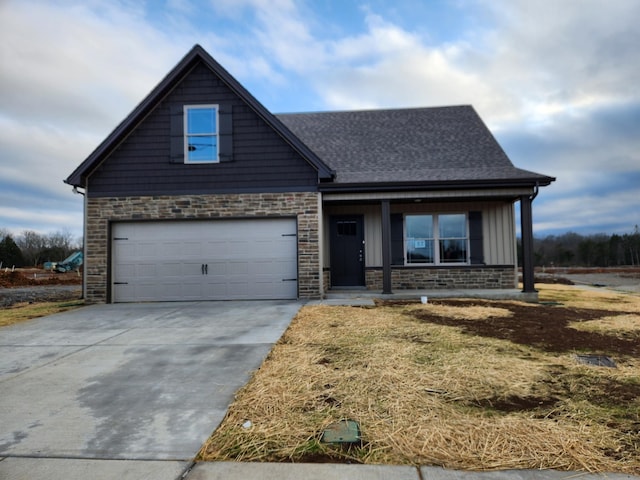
201 134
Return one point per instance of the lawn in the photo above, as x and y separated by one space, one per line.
21 312
465 384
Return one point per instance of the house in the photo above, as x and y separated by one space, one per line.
201 193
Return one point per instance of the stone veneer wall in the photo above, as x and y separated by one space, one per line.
102 211
442 278
326 278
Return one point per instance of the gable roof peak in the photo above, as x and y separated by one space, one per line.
168 83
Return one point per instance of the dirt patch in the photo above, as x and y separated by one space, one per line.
30 285
515 403
545 327
35 277
41 293
551 280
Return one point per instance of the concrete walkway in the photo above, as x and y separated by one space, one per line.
280 471
74 469
362 297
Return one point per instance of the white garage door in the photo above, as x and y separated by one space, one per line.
204 260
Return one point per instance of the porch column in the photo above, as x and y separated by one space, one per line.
386 247
526 227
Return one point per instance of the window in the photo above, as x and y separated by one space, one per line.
452 230
436 239
201 134
419 239
346 228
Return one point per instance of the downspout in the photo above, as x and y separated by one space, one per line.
536 190
84 239
322 287
385 211
526 223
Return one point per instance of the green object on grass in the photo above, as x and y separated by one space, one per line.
344 431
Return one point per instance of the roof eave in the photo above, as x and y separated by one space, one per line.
541 181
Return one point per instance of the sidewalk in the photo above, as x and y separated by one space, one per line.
326 471
16 468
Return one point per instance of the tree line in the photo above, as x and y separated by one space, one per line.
567 250
600 250
32 248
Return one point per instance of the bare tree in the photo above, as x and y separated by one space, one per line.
31 243
62 239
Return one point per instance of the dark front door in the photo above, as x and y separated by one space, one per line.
347 250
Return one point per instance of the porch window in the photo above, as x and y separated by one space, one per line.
419 239
436 239
453 239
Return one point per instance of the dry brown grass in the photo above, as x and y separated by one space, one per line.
591 298
21 312
619 325
428 394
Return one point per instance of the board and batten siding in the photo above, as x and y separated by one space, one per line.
498 227
262 161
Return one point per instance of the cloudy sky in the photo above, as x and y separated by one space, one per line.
557 81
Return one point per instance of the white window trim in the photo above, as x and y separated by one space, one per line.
436 239
186 109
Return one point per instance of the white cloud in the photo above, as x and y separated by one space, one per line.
43 221
71 72
560 56
587 213
540 59
75 64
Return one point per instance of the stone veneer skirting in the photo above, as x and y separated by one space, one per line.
442 278
101 212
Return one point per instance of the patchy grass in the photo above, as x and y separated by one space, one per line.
622 326
451 383
21 312
593 299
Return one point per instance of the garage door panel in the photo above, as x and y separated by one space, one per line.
217 268
144 292
185 249
187 269
245 259
273 267
147 270
238 268
214 248
241 248
184 292
147 249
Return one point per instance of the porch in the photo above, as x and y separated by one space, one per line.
423 241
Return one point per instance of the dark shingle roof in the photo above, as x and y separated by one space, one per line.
443 144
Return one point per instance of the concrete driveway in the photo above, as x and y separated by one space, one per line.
127 381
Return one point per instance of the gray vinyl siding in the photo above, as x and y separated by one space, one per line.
262 161
498 225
